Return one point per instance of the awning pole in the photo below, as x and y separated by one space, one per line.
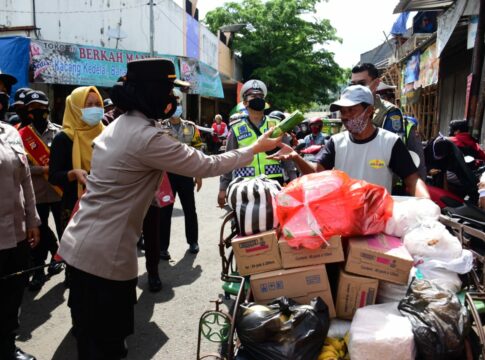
477 63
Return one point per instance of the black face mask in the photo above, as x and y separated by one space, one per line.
38 115
257 104
3 104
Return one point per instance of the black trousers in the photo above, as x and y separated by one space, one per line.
151 235
48 241
11 293
102 313
183 187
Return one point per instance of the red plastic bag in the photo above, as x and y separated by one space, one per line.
164 194
317 206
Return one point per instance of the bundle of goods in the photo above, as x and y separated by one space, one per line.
439 321
317 206
437 254
390 246
252 199
283 329
381 332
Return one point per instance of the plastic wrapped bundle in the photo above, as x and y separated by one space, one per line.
381 332
317 206
252 199
408 214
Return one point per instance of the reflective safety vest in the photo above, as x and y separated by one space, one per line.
245 136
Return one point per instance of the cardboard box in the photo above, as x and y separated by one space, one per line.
379 256
300 284
257 253
292 257
354 292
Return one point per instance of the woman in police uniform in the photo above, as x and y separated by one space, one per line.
99 243
19 228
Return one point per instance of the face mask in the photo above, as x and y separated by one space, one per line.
38 115
357 124
178 112
3 104
92 115
257 104
315 130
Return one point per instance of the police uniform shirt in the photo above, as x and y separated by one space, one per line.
185 131
373 159
387 116
128 160
17 207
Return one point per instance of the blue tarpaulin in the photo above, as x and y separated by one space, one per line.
399 27
14 59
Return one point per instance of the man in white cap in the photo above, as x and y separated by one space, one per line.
364 151
245 130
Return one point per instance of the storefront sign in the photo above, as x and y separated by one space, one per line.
62 63
203 79
411 73
429 65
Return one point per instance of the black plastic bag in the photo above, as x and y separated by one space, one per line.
440 322
283 329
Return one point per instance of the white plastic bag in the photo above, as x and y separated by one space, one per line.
338 328
432 240
445 279
381 332
410 213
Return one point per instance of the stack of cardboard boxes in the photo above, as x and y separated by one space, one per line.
276 269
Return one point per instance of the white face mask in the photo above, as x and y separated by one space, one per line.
178 112
92 115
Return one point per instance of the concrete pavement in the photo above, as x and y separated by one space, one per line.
166 323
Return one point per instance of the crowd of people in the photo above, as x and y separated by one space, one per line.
109 157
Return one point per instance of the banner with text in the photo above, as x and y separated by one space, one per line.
203 79
72 64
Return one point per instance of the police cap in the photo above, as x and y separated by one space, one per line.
36 96
253 87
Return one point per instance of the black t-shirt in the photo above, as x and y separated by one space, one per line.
401 163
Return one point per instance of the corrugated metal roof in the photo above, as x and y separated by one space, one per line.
420 5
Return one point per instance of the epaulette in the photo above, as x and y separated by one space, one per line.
237 119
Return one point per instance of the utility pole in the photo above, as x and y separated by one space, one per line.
152 29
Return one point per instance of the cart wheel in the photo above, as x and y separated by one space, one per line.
215 326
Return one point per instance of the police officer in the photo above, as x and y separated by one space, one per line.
6 82
19 229
99 243
187 133
245 131
387 115
37 138
19 107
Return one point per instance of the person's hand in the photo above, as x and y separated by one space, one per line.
221 198
79 175
265 143
198 183
286 152
45 169
33 236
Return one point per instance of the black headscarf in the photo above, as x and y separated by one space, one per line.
149 97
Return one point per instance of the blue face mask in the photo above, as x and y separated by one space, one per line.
178 112
92 115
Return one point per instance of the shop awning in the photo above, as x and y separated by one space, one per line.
422 5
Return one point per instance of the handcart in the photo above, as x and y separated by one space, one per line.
218 326
474 282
